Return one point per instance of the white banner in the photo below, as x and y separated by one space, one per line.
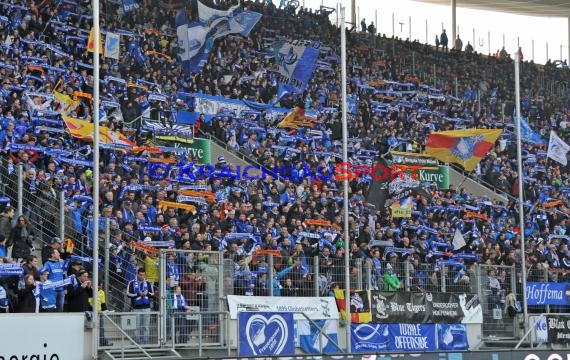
316 308
42 336
112 45
557 149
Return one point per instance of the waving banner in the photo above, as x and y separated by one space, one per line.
195 40
296 62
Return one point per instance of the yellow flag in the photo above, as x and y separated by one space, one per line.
91 42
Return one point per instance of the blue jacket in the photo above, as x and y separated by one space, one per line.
56 271
279 276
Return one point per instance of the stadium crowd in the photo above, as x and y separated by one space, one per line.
44 48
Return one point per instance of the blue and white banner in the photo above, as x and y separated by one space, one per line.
129 5
452 337
224 22
112 45
312 341
296 62
411 337
266 333
196 40
538 293
369 338
213 105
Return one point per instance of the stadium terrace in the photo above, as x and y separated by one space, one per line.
191 171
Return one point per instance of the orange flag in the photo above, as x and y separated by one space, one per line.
91 42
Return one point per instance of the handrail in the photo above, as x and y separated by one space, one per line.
531 328
484 182
127 335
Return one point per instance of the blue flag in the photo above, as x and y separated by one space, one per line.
529 135
129 5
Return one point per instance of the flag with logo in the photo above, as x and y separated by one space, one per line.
313 341
297 118
402 208
84 130
91 42
464 147
296 62
112 45
359 305
557 149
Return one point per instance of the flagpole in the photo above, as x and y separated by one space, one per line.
345 190
520 178
95 283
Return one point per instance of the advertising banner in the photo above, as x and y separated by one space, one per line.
198 149
266 333
316 308
538 293
405 158
35 340
439 176
558 329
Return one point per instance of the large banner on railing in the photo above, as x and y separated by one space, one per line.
315 308
375 337
547 293
266 333
412 308
212 105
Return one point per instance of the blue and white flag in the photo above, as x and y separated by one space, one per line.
193 43
129 5
223 22
529 135
296 62
195 40
312 341
112 45
557 149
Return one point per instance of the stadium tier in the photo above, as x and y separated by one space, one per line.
248 258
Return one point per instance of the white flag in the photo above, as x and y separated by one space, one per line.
112 45
458 240
557 149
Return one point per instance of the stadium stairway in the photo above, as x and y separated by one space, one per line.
459 180
219 148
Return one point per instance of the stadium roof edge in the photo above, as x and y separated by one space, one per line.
542 8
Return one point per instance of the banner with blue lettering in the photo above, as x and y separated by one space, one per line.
296 62
266 333
452 337
369 337
312 343
411 337
547 293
